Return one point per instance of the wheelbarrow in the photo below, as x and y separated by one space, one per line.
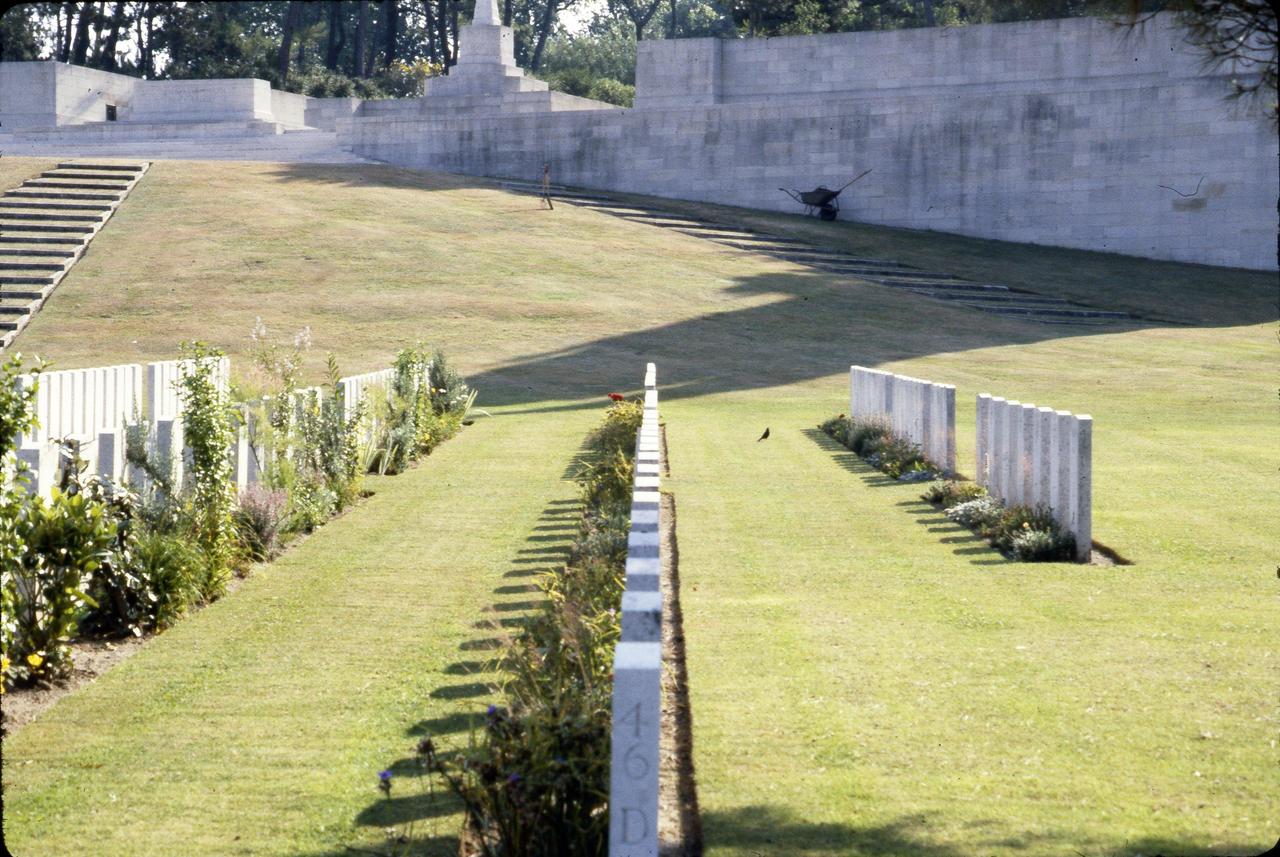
823 200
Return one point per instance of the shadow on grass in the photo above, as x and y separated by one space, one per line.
775 830
927 515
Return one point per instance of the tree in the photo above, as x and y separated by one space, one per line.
1244 34
292 17
80 49
18 35
118 22
390 32
362 38
639 12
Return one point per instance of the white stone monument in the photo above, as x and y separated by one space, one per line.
486 60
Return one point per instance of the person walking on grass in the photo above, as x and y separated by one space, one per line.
546 186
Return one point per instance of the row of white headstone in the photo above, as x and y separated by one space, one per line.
637 663
1029 456
920 411
1026 456
95 410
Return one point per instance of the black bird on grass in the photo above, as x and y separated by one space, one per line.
764 436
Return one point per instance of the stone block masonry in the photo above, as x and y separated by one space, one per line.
637 665
1030 456
920 411
1050 132
1063 132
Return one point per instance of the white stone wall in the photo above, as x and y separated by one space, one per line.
26 95
1037 132
42 95
200 101
288 108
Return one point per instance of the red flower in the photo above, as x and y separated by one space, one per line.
617 397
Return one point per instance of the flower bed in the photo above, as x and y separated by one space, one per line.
1022 533
105 559
536 780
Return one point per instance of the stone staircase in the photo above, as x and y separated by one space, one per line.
45 226
219 141
983 297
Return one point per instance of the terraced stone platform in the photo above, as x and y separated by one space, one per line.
992 298
45 226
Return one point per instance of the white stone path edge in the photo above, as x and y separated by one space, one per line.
637 664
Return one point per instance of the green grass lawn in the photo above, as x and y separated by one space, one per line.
866 678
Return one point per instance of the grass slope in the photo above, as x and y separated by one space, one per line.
866 678
259 725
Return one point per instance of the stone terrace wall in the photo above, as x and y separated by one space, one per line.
1051 132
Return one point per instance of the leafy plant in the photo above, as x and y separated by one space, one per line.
980 514
17 416
207 418
259 516
66 540
953 492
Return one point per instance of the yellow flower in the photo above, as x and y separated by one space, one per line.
35 660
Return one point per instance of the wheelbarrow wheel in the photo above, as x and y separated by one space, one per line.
828 212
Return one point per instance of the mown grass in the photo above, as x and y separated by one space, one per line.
867 678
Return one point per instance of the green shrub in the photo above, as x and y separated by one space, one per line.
259 516
1019 520
952 492
866 434
17 415
207 420
895 455
1039 545
66 539
174 573
838 427
327 442
445 386
980 514
531 789
612 91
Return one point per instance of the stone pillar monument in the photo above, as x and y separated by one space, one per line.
486 59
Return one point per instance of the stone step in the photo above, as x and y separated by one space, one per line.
70 165
67 241
660 222
726 235
31 215
7 226
32 251
78 180
1007 297
925 288
31 266
11 293
1051 312
49 203
25 280
53 191
15 309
